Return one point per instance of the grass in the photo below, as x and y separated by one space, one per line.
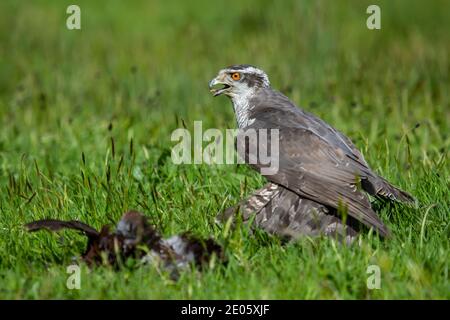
86 118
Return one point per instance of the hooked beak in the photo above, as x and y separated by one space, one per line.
217 86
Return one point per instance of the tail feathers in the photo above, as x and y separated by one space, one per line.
388 191
57 225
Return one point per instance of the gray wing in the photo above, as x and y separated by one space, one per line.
289 115
315 169
282 212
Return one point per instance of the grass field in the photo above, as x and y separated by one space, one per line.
86 118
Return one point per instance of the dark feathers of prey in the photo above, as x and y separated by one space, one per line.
320 169
135 238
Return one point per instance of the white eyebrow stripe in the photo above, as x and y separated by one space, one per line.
251 70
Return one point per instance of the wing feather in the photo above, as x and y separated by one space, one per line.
315 169
57 225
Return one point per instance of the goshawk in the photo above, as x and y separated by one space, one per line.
320 169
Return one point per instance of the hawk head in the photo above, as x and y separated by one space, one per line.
238 80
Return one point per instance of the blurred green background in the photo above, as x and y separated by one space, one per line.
86 117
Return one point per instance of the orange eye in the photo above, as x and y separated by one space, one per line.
236 76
